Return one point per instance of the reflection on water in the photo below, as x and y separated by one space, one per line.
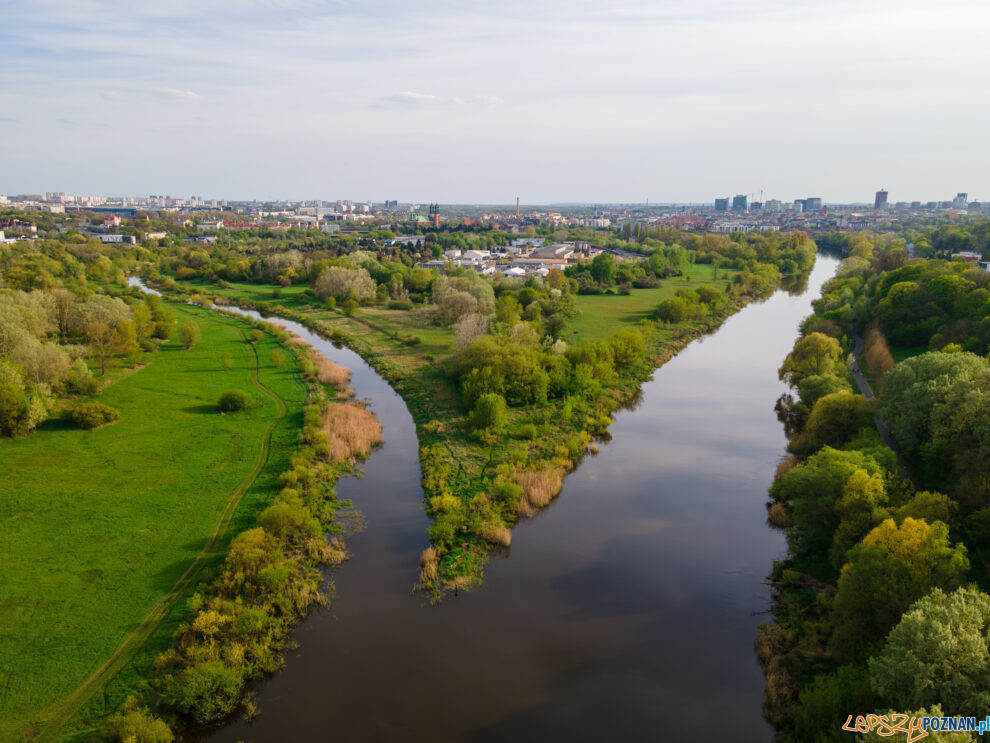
626 611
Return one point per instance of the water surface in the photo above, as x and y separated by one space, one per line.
625 611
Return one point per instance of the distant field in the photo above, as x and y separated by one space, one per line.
96 526
604 314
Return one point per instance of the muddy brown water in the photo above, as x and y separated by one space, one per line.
626 610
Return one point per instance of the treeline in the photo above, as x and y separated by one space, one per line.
879 565
62 328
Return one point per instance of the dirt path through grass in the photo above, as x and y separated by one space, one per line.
59 715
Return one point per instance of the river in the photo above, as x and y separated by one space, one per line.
626 610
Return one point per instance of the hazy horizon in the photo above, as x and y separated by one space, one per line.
480 102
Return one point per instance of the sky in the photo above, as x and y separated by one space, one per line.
466 101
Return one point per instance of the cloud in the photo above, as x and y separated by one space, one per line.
408 97
173 94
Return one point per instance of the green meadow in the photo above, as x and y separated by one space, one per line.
98 527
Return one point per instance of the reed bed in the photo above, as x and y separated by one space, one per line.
539 487
332 373
351 430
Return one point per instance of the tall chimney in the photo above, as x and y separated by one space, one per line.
517 206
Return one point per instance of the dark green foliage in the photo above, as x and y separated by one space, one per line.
836 419
233 400
824 705
89 415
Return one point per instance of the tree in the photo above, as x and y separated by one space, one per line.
861 507
190 334
816 353
889 570
64 302
470 327
277 358
490 412
345 283
349 307
22 405
255 336
603 269
938 653
232 400
837 418
102 338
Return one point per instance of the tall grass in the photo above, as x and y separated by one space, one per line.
351 430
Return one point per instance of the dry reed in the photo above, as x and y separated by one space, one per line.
351 430
429 571
539 487
331 373
495 534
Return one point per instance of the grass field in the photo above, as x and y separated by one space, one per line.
97 526
604 314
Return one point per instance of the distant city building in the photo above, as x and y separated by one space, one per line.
813 205
740 203
880 201
773 205
961 200
798 205
722 205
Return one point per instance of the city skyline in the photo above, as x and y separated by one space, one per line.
480 103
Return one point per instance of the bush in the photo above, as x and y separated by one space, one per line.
232 400
277 358
138 725
349 306
399 304
527 431
207 692
189 334
255 336
90 415
490 411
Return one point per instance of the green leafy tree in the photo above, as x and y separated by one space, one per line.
603 269
889 570
938 653
837 418
816 353
232 400
490 412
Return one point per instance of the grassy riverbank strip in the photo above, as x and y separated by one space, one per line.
106 529
239 620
